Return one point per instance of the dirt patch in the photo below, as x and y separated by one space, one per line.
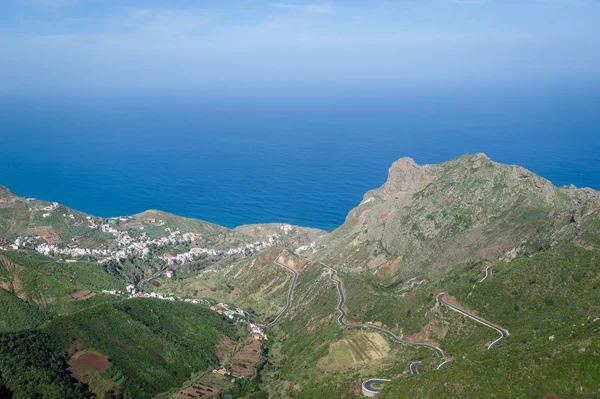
81 368
295 263
7 263
82 295
93 360
358 349
429 330
389 269
224 348
41 231
244 362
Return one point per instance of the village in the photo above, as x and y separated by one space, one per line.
128 246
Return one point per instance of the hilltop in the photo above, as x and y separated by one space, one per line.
428 218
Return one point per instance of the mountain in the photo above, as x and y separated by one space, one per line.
463 279
428 230
428 218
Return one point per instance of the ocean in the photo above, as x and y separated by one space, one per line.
304 158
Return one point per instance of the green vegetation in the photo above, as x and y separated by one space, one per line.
33 365
87 275
152 345
549 303
18 315
42 282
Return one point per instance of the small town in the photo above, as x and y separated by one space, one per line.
128 246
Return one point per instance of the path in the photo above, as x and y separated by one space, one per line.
368 385
488 273
503 332
290 292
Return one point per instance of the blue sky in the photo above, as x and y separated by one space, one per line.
132 44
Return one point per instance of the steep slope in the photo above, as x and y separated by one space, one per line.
428 218
548 302
429 230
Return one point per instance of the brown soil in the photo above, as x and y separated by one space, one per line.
80 370
359 350
244 362
453 301
224 348
41 231
293 262
82 295
389 269
7 263
431 329
15 284
94 360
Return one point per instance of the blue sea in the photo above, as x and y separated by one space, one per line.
301 157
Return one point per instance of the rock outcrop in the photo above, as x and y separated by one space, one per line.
468 209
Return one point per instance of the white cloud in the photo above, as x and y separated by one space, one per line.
312 8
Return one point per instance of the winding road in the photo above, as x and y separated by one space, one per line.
488 273
290 292
368 385
413 367
444 364
503 332
389 334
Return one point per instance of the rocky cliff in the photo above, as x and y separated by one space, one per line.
426 218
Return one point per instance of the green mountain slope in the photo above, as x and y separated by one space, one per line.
549 303
428 218
499 242
428 230
148 345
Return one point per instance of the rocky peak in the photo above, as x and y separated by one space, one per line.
404 176
442 214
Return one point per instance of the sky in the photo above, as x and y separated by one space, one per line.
53 45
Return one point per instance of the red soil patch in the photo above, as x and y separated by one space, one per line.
82 295
95 361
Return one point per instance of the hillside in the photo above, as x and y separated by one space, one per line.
464 279
135 247
61 329
428 218
429 230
